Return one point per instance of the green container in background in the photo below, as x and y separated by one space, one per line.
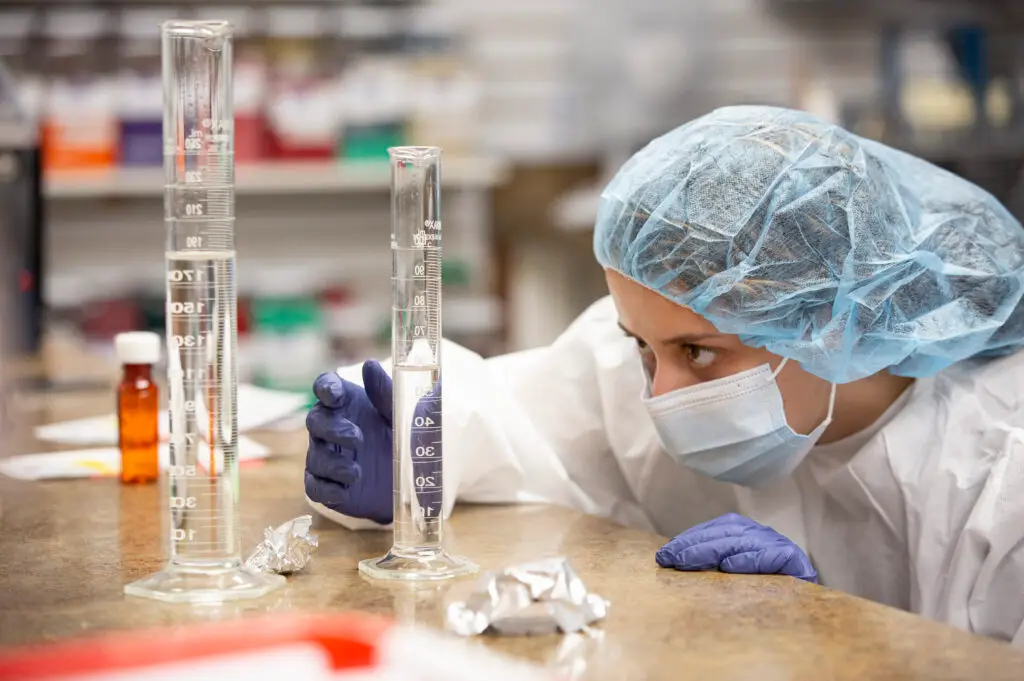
279 320
154 314
370 142
455 273
286 314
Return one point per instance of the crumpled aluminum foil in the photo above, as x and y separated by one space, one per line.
541 597
286 548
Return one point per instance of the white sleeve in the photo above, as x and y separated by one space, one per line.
996 531
512 422
980 539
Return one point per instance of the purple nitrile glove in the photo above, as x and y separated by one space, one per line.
732 543
349 461
349 458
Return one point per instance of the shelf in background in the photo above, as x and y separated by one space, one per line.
274 178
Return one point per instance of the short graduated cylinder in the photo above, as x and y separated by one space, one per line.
205 561
418 551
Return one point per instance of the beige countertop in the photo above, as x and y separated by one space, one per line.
68 548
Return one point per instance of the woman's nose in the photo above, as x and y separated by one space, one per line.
666 379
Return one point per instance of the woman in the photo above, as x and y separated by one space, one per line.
807 365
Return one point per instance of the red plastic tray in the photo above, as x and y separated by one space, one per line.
348 646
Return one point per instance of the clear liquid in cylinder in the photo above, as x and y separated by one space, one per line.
418 473
203 478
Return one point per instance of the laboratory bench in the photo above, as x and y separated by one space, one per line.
67 548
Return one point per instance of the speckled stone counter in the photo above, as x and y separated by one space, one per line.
68 548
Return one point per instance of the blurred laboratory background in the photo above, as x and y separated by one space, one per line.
535 103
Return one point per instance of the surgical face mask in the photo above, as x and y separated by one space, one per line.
733 429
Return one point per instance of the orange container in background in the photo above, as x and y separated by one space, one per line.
80 127
79 145
80 114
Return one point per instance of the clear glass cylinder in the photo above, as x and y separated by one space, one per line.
205 559
418 551
199 163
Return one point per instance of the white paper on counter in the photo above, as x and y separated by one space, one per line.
256 407
103 461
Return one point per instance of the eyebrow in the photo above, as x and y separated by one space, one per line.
677 340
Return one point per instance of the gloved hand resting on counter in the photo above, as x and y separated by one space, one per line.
732 543
349 460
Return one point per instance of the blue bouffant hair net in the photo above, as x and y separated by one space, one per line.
832 250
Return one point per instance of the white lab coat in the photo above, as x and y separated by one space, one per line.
925 512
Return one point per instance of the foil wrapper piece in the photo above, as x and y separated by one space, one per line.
542 597
285 549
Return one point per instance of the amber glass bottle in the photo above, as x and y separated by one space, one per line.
138 407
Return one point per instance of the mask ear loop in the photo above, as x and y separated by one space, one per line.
832 394
831 404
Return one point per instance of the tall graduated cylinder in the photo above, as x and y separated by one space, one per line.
418 551
205 562
416 347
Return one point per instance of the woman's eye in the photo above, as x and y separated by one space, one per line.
700 357
640 344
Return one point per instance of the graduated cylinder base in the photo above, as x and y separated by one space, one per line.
178 584
424 565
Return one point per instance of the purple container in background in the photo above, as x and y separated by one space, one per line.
142 142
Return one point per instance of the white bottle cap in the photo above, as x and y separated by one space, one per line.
137 347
